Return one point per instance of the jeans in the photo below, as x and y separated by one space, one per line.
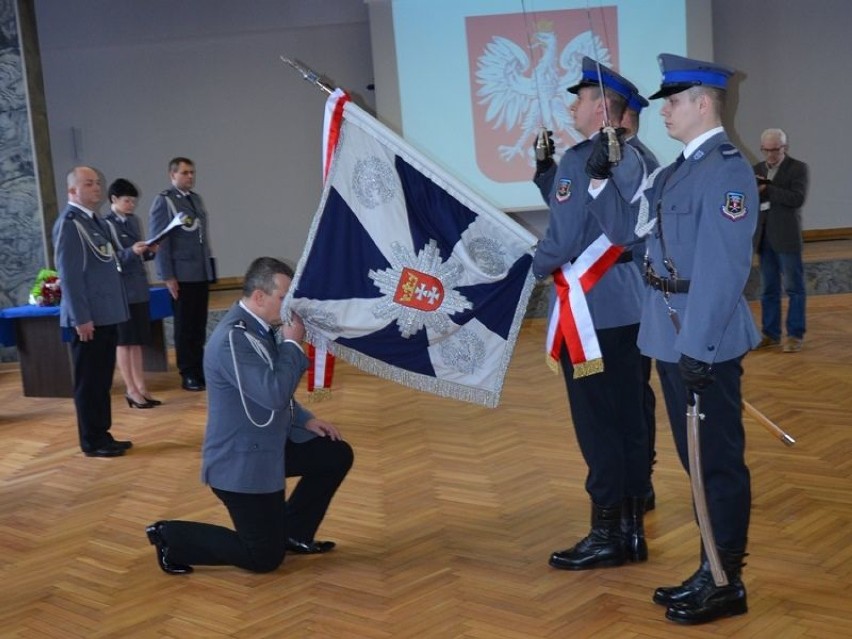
774 266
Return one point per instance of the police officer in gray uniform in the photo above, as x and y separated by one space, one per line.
698 223
606 407
93 303
184 264
256 435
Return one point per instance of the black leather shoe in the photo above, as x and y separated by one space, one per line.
309 547
709 604
671 595
123 444
107 450
192 384
156 538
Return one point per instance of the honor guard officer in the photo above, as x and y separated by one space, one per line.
605 402
184 263
93 303
698 217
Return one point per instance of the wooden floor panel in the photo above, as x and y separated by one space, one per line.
444 525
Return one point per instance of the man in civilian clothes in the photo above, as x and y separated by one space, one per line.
93 303
184 264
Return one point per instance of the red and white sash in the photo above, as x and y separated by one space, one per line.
570 322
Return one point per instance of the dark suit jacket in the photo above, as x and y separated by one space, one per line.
781 225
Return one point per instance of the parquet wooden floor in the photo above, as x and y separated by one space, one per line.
444 525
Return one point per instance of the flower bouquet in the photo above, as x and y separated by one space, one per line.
46 291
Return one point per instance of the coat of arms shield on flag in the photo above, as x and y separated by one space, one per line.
406 273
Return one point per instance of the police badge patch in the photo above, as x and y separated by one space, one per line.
734 207
563 190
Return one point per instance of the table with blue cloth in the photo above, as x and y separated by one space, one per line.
44 351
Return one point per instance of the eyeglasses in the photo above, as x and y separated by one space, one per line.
763 149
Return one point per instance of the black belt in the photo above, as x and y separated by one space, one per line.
667 284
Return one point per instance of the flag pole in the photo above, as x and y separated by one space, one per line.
309 75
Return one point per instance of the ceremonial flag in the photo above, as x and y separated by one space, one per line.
406 273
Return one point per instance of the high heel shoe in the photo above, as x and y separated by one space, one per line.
152 401
132 403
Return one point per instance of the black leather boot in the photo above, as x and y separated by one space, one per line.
710 602
603 547
669 595
633 529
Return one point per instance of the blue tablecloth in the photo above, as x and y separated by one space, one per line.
160 307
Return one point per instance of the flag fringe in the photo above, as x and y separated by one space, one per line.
444 388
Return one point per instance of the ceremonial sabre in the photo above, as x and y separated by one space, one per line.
768 424
699 498
309 75
613 148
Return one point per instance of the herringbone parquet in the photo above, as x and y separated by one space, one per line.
444 525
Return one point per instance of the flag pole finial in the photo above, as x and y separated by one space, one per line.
309 75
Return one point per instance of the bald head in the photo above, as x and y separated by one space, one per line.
84 187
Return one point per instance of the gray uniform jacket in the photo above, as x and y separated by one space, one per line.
616 299
185 253
126 234
781 225
92 290
239 456
709 208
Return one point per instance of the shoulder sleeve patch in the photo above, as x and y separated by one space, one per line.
729 151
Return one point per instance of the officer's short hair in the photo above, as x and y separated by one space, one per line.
122 188
261 273
174 163
718 97
616 104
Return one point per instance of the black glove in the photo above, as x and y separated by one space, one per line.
598 166
697 375
543 149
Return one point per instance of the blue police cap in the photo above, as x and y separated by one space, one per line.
679 74
609 78
637 103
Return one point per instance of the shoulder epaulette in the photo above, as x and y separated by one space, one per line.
729 151
164 192
70 214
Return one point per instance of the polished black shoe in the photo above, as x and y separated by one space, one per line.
309 547
132 403
152 401
107 450
603 547
192 384
711 603
670 595
123 444
156 538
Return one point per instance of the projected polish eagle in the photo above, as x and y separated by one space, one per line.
522 97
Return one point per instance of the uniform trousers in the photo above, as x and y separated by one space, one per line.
608 414
263 521
93 362
727 480
190 327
